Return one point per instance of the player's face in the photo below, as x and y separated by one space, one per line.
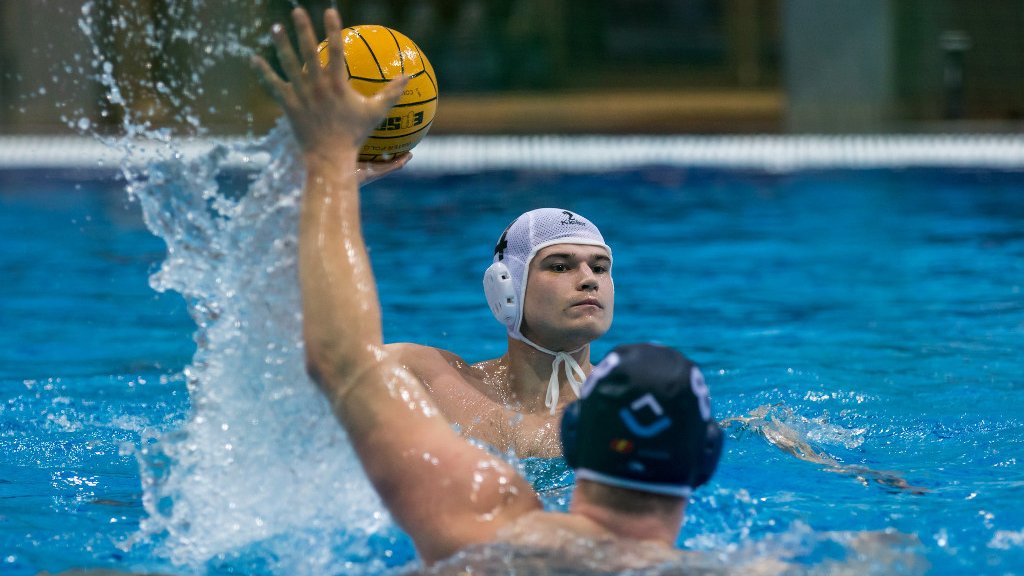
570 298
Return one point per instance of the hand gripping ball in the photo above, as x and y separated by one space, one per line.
375 55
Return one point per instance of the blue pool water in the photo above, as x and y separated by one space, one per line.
154 415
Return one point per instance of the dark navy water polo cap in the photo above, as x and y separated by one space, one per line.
643 422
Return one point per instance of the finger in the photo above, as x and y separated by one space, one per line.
370 171
389 95
335 49
385 167
307 41
263 69
401 160
275 85
285 53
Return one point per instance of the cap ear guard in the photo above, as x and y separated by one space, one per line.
499 289
711 450
710 455
501 294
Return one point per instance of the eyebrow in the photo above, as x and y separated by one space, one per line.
573 256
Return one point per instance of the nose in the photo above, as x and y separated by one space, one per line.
587 281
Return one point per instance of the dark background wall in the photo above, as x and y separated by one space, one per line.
523 66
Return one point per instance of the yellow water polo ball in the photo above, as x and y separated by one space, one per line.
375 55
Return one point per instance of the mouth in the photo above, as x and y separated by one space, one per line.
588 302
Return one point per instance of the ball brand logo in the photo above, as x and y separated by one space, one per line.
401 122
570 219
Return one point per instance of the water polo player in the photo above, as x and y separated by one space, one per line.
550 285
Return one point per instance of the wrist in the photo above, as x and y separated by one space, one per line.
337 163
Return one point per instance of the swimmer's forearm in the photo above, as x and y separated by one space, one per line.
330 121
341 312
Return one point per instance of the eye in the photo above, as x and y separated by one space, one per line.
599 269
559 267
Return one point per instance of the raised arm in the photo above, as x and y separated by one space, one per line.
444 492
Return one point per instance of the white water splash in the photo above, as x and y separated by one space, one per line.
1007 539
259 477
261 460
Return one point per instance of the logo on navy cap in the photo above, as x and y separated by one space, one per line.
653 428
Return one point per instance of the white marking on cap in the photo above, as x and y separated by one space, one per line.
700 390
647 400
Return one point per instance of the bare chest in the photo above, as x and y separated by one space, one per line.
468 398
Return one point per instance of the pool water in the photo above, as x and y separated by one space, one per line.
154 415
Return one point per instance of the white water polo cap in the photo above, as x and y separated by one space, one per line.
505 280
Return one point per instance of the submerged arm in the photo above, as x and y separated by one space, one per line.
444 492
785 437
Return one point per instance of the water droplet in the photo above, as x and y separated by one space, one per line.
84 124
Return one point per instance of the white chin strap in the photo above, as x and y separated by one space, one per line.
573 373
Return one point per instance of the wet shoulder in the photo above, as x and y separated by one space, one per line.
455 385
428 362
419 354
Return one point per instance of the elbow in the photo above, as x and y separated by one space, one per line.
331 370
315 370
321 373
323 362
